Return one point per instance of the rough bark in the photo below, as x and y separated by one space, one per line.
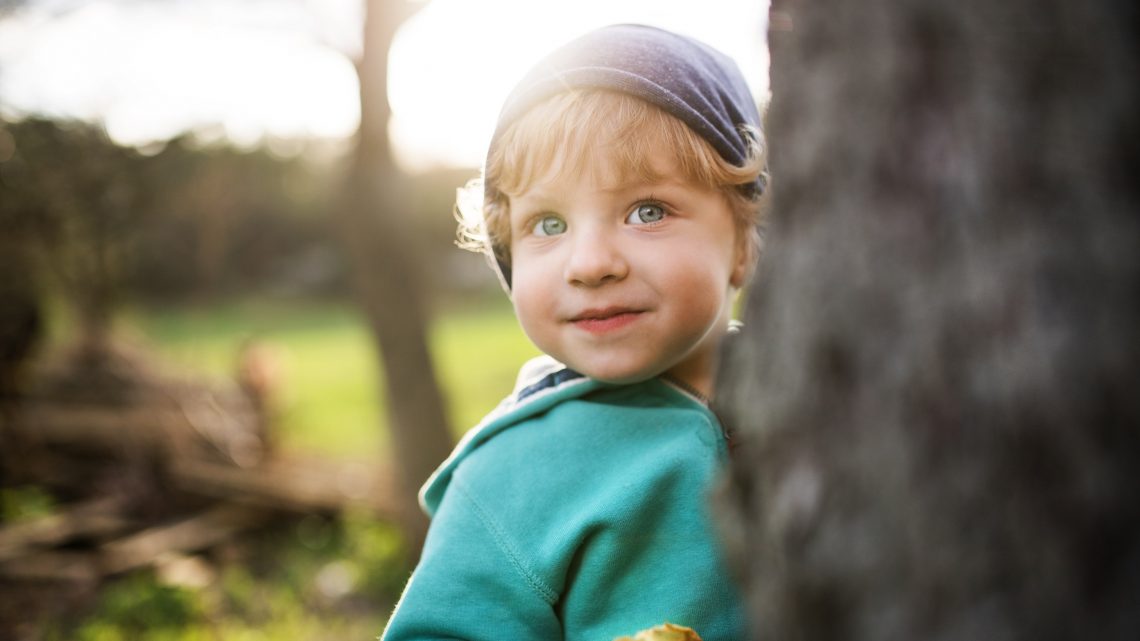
935 391
386 274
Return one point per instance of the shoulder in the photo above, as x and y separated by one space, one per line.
557 417
562 407
542 383
613 436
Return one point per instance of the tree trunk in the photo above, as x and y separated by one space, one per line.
387 276
935 393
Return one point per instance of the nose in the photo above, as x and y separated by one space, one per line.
595 259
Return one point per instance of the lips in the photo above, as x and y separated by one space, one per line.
601 321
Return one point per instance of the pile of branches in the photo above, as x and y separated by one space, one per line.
145 471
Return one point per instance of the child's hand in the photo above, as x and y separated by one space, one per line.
665 632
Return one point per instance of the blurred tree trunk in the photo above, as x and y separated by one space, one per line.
935 392
83 201
387 274
21 333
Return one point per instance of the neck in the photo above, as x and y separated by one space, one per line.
689 389
696 377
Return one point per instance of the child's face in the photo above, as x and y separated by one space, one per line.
626 279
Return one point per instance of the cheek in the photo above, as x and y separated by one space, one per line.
700 290
702 299
530 300
698 270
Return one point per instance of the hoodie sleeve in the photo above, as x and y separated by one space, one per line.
466 548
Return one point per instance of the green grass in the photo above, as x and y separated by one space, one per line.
331 398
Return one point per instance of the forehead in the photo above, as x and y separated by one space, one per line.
610 161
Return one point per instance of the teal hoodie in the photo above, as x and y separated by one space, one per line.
577 510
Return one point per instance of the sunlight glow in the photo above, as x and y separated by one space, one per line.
265 70
454 62
150 71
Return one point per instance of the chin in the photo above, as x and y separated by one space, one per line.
620 380
618 375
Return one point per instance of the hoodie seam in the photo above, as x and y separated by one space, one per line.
499 536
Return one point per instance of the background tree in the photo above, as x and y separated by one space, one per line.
21 307
935 392
72 201
373 219
229 222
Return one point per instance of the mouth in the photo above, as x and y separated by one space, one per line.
600 321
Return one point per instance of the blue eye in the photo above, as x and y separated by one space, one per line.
645 214
549 226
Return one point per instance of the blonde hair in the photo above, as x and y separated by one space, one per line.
555 138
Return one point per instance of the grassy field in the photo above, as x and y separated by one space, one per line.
331 395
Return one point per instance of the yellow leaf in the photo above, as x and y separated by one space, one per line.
665 632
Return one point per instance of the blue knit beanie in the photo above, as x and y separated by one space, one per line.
687 79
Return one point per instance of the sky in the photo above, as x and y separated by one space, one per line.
276 71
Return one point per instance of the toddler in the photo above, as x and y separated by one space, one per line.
621 202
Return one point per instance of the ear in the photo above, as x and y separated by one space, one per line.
744 261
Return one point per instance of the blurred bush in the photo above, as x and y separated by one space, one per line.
183 221
322 578
24 502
